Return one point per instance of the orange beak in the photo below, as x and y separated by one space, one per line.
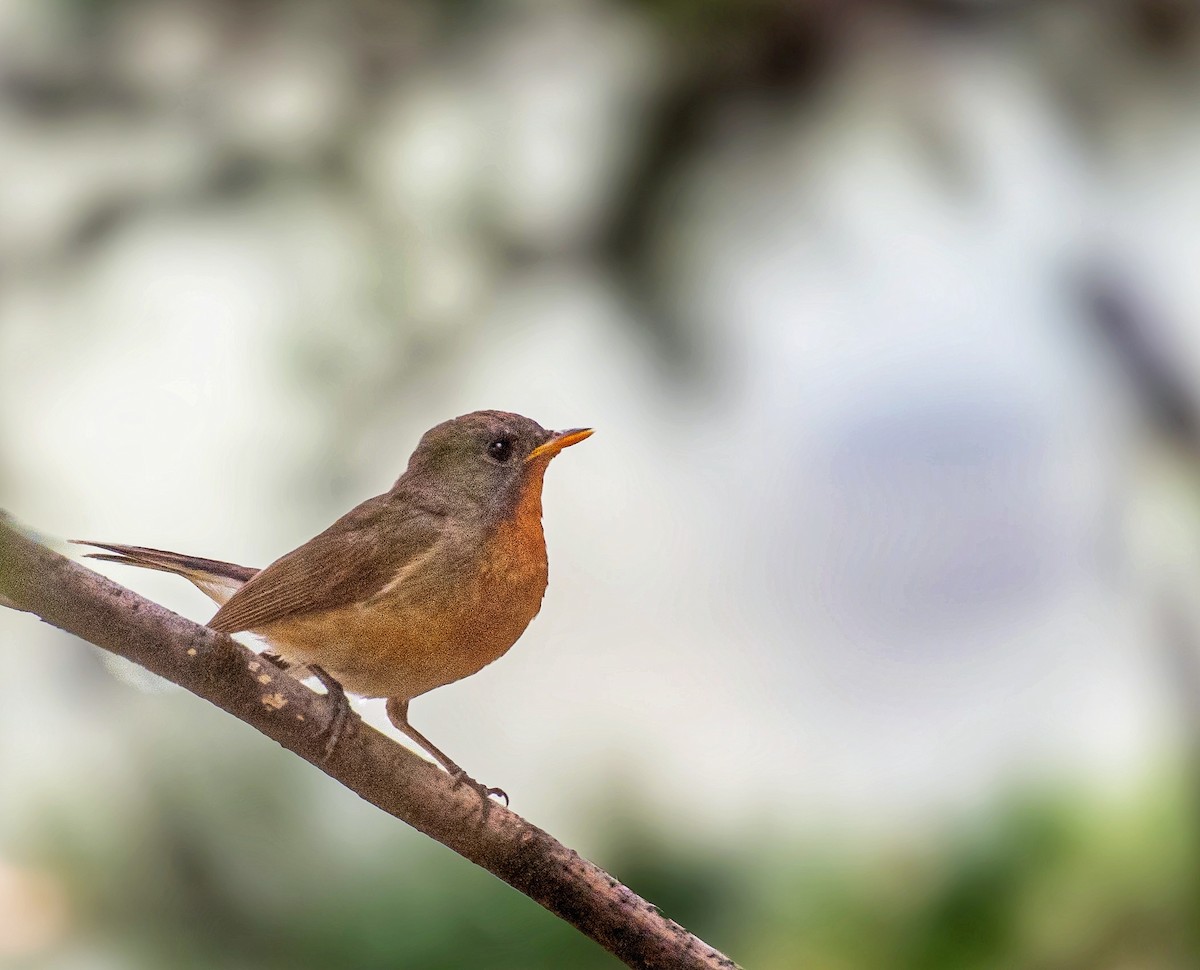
561 440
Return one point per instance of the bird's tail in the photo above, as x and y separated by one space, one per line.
216 579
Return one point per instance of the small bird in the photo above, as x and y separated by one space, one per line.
413 589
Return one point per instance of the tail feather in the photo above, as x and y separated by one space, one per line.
216 579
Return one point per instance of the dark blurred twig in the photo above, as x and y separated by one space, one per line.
1144 352
227 674
1135 335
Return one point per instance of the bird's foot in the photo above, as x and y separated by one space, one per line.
335 730
462 778
299 671
271 657
397 711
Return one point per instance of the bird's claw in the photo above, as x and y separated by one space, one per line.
462 778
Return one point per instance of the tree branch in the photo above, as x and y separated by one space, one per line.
386 774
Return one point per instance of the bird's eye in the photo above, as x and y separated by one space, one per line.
500 449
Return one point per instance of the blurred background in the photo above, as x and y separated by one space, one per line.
871 637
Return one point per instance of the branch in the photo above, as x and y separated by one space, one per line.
384 773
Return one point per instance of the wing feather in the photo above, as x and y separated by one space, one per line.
348 563
167 562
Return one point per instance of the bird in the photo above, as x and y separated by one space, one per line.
411 590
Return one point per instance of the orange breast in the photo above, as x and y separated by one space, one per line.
517 546
430 633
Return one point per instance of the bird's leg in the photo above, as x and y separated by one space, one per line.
397 711
341 708
333 690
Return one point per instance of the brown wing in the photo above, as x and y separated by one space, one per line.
350 561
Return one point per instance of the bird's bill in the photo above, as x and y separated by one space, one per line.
559 441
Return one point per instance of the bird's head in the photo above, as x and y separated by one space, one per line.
486 459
